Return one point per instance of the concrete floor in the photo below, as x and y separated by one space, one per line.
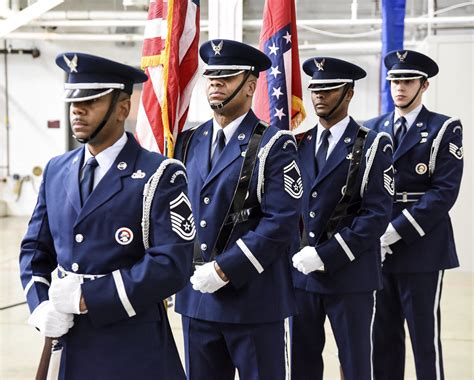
21 345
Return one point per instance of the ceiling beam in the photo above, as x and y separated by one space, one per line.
26 15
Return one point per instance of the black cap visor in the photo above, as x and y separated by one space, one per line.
405 74
82 94
326 86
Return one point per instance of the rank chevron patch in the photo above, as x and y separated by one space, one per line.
456 151
388 181
182 220
292 179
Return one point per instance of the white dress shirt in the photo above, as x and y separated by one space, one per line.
229 131
336 132
105 159
410 117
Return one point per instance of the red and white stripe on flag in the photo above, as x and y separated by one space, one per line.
170 59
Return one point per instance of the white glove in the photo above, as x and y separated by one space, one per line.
307 260
50 322
206 280
383 252
390 236
65 294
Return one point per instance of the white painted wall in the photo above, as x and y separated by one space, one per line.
36 89
451 93
35 96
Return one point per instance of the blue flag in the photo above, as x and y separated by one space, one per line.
393 26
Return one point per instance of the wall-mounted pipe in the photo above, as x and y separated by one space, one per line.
366 47
455 22
35 53
256 24
47 36
121 20
7 118
94 15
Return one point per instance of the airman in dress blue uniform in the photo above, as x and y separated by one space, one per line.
348 181
419 242
235 306
103 303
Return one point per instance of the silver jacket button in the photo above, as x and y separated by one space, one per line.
203 247
79 238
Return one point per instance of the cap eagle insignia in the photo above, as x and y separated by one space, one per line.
71 63
320 65
217 48
402 57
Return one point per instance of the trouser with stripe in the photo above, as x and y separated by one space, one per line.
414 297
351 317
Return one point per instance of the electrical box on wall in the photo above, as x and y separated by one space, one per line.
53 124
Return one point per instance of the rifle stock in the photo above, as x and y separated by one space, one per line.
42 371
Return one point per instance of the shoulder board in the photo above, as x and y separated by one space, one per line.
154 179
301 136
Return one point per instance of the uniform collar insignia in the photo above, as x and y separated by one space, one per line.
122 165
217 48
71 63
138 174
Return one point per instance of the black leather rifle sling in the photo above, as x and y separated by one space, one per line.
341 209
186 137
236 212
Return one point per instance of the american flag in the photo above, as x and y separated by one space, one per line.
170 59
279 99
